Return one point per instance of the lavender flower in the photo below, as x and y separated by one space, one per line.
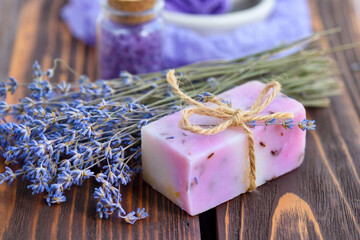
13 85
8 176
307 125
205 97
288 123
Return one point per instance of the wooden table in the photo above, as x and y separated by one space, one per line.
320 200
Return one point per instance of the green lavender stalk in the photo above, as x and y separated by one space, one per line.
308 75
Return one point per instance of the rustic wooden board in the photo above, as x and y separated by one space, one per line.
321 199
31 30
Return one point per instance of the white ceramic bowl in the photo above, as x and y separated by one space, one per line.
217 23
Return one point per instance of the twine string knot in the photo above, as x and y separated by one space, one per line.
232 117
237 118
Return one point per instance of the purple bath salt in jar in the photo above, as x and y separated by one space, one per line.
129 35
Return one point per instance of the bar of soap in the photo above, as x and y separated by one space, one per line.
199 172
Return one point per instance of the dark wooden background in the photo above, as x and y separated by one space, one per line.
320 200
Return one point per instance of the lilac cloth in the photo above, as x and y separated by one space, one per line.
289 21
80 16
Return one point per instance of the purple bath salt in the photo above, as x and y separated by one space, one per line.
199 6
134 46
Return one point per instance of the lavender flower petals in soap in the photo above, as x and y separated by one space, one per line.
199 172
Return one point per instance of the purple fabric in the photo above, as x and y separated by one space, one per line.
80 16
199 6
289 21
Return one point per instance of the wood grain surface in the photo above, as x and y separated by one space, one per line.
319 200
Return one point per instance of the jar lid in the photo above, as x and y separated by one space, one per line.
132 12
132 5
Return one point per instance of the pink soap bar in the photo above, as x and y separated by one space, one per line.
199 172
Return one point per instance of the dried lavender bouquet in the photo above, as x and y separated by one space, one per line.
60 136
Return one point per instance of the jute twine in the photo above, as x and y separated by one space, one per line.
232 117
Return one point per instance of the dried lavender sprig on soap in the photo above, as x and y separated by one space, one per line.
64 135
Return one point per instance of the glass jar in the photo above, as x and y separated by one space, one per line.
129 36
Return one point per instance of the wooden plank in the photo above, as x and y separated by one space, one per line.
8 19
40 35
320 199
345 18
21 53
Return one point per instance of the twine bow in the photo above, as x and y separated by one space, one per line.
232 117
